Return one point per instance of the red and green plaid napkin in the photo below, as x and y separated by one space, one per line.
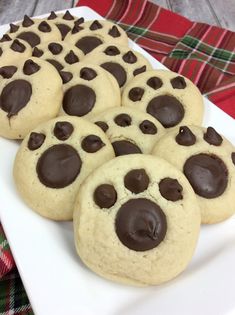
201 52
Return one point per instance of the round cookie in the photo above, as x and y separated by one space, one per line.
88 90
59 54
121 61
35 31
53 161
64 22
129 130
208 161
170 98
87 36
136 220
30 93
12 50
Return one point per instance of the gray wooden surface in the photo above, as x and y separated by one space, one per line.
216 12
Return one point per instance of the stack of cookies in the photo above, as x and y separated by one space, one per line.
112 144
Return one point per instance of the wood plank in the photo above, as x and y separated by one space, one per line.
15 10
162 3
225 12
45 6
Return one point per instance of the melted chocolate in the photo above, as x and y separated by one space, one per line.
117 71
170 189
136 181
167 109
7 71
178 83
135 94
185 137
124 147
140 224
79 100
139 70
212 137
35 140
31 38
63 130
88 43
87 74
15 95
92 144
155 83
59 166
114 32
207 174
123 120
71 58
102 125
55 48
105 196
148 128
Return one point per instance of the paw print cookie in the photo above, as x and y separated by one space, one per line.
11 50
170 98
88 90
136 220
64 22
59 54
53 161
121 61
35 31
89 35
130 131
30 93
207 160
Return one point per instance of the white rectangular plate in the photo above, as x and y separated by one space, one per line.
58 283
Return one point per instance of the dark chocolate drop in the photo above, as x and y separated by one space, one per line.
92 144
15 95
30 67
129 57
18 46
35 140
65 76
178 83
136 181
140 224
124 147
139 70
79 100
212 137
123 120
114 32
71 58
14 28
52 16
5 38
135 94
27 21
117 71
56 64
64 29
185 137
105 196
44 27
37 52
155 83
59 166
95 25
233 157
148 127
76 29
102 125
167 109
7 71
79 21
88 43
68 16
30 37
1 51
63 130
112 51
55 48
207 174
170 189
87 74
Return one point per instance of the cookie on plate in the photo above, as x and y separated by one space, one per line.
122 62
170 98
30 93
64 22
87 36
88 90
208 161
53 161
129 130
11 50
136 220
35 31
59 54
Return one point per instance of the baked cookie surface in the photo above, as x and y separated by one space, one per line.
53 161
88 90
170 98
122 62
30 93
207 160
129 130
136 220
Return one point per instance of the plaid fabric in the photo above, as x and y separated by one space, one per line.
203 53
